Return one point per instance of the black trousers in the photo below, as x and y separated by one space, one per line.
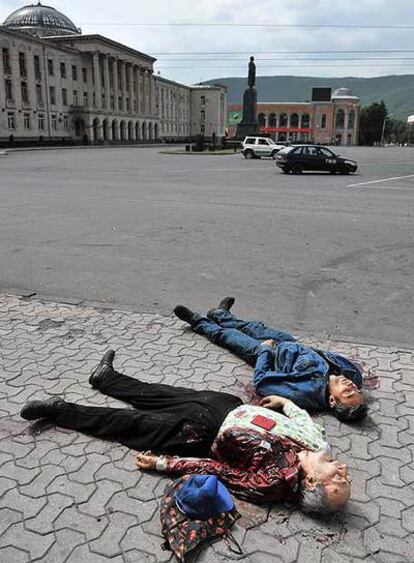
165 419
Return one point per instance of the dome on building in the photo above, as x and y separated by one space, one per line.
343 94
41 20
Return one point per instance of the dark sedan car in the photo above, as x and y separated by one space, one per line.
299 158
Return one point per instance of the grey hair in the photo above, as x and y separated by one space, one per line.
314 501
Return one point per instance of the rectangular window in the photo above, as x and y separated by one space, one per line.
63 70
52 93
94 99
50 69
64 97
112 102
84 75
11 120
36 68
74 72
9 89
323 121
85 99
39 94
27 122
202 129
6 61
54 122
203 100
22 64
25 92
75 98
203 115
41 121
66 123
120 103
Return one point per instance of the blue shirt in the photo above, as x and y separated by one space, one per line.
300 374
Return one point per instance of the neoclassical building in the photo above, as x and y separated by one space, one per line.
334 121
58 84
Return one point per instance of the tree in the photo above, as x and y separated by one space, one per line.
371 123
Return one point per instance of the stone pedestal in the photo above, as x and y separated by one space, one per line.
249 123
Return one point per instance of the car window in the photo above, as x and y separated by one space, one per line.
326 152
285 150
249 141
309 151
263 142
298 150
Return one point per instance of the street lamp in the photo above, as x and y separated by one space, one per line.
386 118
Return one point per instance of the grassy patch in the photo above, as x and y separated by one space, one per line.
209 153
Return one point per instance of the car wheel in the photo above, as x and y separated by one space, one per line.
345 171
274 155
297 169
248 154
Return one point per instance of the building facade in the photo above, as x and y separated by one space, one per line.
59 85
333 122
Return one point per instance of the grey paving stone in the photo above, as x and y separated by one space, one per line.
14 554
66 541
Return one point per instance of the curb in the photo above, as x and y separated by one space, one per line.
26 295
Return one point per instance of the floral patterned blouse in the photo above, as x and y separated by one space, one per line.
256 464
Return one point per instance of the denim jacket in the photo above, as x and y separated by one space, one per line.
300 373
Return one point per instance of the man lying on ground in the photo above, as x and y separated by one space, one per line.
260 455
311 378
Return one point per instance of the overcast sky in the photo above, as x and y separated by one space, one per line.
115 19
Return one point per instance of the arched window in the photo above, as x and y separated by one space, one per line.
351 119
305 121
272 120
340 119
283 120
294 120
261 119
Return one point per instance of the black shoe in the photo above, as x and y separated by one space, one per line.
104 368
185 314
226 303
41 409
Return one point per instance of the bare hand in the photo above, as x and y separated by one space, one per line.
269 342
146 461
273 402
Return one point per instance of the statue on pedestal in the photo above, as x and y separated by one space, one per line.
249 123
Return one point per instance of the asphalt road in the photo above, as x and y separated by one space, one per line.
315 254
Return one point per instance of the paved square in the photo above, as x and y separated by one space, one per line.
65 497
321 254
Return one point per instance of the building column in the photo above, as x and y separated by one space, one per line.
345 133
116 94
98 83
138 89
147 92
123 81
152 94
107 83
131 88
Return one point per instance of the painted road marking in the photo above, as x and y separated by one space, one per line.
380 180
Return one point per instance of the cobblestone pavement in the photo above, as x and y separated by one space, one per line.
67 497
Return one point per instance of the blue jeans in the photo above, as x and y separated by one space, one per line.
242 338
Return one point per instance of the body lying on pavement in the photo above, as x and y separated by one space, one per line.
313 379
260 455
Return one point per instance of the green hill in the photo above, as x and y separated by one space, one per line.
397 91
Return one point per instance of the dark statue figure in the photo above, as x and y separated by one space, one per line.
249 123
251 79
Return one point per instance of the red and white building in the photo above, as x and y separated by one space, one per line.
333 122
